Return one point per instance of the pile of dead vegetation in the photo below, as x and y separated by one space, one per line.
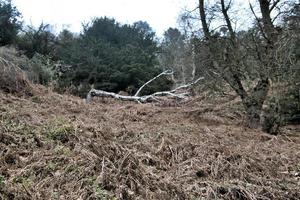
12 77
58 147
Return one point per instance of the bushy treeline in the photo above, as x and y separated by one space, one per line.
106 55
110 56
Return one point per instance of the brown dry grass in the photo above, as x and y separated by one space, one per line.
57 147
12 78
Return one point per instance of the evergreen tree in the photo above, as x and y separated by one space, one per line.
37 40
9 22
110 56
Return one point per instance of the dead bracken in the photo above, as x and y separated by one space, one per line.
12 78
63 148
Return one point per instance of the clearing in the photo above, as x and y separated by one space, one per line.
58 147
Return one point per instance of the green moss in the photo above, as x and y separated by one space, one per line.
59 129
16 126
51 166
99 192
25 181
72 168
2 180
62 150
36 99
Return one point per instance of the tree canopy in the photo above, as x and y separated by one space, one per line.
9 22
109 56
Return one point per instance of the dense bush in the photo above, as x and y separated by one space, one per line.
12 77
41 69
282 110
36 40
109 56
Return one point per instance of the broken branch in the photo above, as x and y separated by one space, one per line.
147 98
167 72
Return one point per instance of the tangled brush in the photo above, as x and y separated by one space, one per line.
12 78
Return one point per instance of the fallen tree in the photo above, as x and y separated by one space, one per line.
180 92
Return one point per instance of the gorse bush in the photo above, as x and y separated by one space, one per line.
41 69
36 40
110 57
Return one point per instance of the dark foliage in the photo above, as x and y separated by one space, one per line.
37 40
9 22
109 56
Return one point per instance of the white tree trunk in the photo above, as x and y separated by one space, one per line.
147 98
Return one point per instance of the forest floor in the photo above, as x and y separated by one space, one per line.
59 147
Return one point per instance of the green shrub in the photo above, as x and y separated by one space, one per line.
59 130
2 179
282 109
41 69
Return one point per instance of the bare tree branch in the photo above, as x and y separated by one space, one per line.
167 72
227 19
147 98
258 22
274 5
187 85
203 19
228 6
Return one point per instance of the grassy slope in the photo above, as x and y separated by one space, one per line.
58 147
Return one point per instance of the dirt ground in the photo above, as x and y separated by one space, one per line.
58 147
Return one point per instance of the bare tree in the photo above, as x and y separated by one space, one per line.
178 54
228 62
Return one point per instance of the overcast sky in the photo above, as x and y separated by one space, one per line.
160 14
